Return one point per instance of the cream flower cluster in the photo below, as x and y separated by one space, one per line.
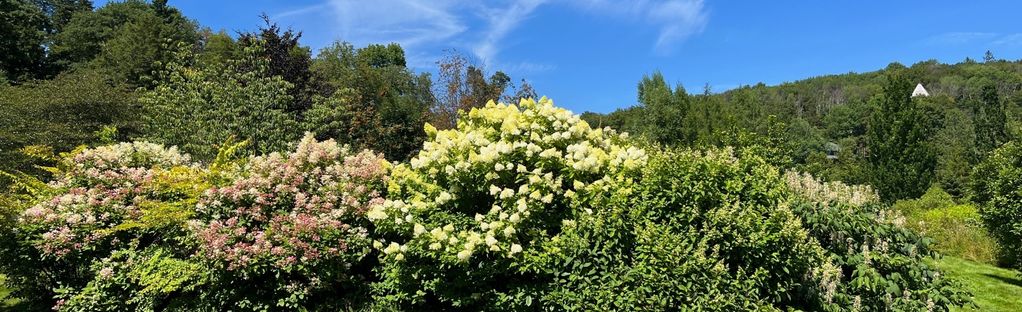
492 185
129 155
815 190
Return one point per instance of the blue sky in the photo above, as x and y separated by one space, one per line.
590 54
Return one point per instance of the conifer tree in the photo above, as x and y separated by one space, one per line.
900 162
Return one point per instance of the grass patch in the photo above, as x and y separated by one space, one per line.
995 289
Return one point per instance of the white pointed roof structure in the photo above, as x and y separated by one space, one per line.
920 91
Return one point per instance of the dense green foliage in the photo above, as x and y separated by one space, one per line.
378 103
705 231
89 62
285 58
60 114
667 111
997 185
899 163
23 31
198 109
132 39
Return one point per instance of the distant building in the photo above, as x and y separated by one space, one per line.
920 91
833 149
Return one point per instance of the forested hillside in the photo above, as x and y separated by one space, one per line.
867 121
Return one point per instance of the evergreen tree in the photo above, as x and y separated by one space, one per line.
900 162
61 11
23 28
954 144
990 120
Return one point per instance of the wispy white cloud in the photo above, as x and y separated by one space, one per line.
411 23
407 22
302 11
677 19
1010 39
482 27
959 37
501 22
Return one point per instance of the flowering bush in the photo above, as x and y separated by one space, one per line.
854 196
484 199
290 225
521 207
104 188
95 206
152 279
134 226
875 263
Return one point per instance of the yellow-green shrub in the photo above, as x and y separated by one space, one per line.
956 229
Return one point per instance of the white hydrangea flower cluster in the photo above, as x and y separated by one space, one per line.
127 155
500 181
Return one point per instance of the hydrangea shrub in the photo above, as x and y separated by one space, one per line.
520 207
91 210
291 224
103 188
136 226
466 216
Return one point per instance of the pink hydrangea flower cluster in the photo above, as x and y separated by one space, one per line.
302 208
102 188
